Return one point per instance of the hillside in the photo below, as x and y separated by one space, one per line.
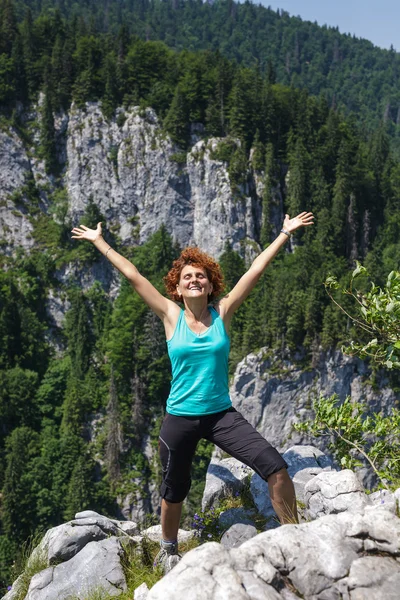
350 73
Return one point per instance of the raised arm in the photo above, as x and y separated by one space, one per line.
156 301
246 283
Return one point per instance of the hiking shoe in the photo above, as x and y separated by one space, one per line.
167 557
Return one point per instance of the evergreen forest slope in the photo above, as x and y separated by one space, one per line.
279 145
350 73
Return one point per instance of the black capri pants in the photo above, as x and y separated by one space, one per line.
229 430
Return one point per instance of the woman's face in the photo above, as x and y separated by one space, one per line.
194 282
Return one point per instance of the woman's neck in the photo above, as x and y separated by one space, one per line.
196 310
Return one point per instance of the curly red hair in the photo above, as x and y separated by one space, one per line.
197 258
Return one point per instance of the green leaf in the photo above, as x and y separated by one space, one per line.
359 270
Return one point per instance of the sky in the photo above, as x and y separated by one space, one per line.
377 21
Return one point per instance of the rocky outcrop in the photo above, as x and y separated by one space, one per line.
15 227
273 399
349 556
347 546
138 179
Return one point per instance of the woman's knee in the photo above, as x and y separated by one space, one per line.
175 492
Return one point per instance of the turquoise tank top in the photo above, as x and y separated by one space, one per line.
199 369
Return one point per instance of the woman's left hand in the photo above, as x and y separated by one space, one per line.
304 219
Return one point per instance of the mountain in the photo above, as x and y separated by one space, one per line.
350 73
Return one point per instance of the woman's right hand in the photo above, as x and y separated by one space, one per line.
84 233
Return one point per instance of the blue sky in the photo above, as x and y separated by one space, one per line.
377 21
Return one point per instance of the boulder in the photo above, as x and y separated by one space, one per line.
224 477
237 535
97 568
154 534
323 559
334 492
301 457
141 592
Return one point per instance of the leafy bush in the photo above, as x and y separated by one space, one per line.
355 435
377 315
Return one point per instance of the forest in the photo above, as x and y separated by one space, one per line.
71 421
350 73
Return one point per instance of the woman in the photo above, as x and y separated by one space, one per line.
198 345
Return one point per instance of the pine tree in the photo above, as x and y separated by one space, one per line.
18 510
113 445
109 101
8 26
47 132
297 183
176 120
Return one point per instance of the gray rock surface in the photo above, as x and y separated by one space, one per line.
374 578
15 227
141 592
272 402
238 534
153 533
97 568
334 492
235 515
224 477
63 542
323 559
302 457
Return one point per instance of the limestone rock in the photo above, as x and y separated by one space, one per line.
96 567
323 559
141 592
154 534
224 477
15 227
274 401
302 457
334 492
374 577
238 534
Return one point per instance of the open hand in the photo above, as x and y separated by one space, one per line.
84 233
304 219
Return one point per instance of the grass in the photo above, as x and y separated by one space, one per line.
28 565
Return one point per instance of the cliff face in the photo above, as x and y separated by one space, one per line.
134 174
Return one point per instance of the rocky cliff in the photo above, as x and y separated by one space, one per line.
137 178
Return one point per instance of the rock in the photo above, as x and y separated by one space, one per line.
97 568
128 527
235 515
15 168
334 492
154 534
237 534
384 499
299 458
301 478
208 564
65 541
274 401
374 578
99 521
260 494
224 477
141 592
87 514
322 559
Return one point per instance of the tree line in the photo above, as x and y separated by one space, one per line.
350 73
